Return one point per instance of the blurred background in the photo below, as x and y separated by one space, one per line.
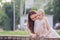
13 13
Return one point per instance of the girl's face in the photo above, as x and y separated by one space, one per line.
41 15
33 17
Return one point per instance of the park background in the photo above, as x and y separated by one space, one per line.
13 14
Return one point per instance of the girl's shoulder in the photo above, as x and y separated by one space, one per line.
45 18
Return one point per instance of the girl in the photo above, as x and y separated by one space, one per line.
42 27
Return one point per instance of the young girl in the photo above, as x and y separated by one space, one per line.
42 27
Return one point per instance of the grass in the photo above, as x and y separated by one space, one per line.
13 33
18 33
58 31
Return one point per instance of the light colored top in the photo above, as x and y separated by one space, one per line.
40 29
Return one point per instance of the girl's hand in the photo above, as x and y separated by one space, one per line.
43 36
33 35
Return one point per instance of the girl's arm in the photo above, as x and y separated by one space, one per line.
47 26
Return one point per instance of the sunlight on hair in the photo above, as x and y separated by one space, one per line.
40 10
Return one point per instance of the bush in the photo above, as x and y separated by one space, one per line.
4 20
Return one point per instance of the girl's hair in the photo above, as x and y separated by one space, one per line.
41 10
31 22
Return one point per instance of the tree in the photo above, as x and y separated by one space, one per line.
9 12
3 20
17 11
54 9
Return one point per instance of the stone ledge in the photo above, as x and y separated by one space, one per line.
24 38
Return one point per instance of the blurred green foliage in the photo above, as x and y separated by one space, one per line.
34 8
6 15
6 12
8 8
54 9
17 11
3 20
